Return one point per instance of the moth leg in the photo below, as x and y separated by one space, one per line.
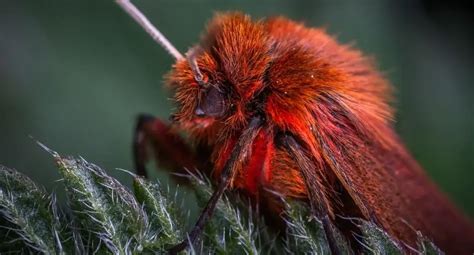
318 202
239 152
169 149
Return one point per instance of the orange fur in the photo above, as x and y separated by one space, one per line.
333 100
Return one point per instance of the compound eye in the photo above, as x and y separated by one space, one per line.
212 104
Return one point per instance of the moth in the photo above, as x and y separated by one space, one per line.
274 106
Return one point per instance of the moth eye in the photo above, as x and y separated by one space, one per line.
212 104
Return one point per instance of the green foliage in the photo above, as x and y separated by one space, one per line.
233 227
163 226
104 216
29 214
305 234
377 240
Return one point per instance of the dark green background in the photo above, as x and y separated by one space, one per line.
74 74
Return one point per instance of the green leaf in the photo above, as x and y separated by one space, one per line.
304 236
28 215
164 228
232 228
377 240
427 247
102 207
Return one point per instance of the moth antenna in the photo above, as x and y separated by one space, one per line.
191 55
141 19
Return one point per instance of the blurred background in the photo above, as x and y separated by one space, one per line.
75 73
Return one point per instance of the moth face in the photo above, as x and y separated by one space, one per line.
211 98
201 98
211 103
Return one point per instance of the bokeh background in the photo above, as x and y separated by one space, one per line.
75 73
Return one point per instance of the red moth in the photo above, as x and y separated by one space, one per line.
273 105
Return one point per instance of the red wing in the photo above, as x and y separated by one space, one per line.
332 99
386 183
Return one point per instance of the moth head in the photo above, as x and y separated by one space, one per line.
222 78
212 100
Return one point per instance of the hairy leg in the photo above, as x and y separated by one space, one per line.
318 201
169 149
238 155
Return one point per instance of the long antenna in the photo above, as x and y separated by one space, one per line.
141 19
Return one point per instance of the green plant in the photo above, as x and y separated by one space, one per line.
105 217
